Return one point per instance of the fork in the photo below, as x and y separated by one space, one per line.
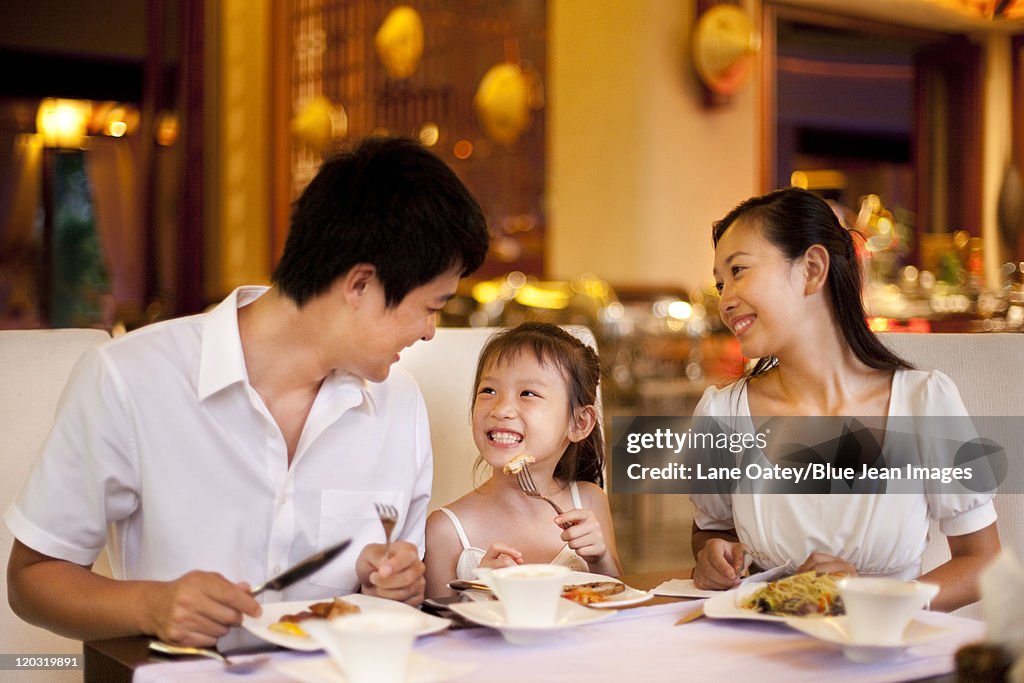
234 666
388 519
525 480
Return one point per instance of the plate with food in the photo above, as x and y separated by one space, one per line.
597 590
808 594
281 622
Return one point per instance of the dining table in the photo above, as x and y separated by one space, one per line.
641 642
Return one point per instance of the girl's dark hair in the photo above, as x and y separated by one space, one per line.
388 202
795 220
578 364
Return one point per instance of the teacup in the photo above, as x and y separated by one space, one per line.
878 609
370 647
528 592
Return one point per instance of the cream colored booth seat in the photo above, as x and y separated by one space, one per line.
444 368
34 367
988 369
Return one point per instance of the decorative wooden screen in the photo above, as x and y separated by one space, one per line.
333 55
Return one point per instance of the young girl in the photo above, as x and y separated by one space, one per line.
536 386
791 293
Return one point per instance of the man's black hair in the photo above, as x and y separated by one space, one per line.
390 203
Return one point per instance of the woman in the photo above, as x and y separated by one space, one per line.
790 289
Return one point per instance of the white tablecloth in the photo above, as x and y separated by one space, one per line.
640 645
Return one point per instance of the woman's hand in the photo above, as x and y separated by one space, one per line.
501 555
824 563
720 564
582 532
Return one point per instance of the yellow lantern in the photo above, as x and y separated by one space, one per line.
502 102
399 42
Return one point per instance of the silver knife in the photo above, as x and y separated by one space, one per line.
302 569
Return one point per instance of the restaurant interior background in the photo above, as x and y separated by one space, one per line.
149 152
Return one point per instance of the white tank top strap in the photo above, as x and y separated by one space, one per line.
458 528
575 491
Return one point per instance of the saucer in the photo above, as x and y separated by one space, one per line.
492 615
833 630
325 670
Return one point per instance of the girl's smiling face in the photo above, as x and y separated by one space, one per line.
521 406
761 290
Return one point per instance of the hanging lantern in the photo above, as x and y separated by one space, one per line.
319 122
399 42
502 102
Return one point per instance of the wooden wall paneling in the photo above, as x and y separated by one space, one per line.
280 125
190 296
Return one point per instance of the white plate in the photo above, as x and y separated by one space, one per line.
324 670
492 615
726 605
833 630
685 588
629 596
272 612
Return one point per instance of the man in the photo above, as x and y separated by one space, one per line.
224 447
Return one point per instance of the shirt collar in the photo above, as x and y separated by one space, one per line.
222 362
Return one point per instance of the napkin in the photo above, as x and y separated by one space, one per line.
1002 594
684 588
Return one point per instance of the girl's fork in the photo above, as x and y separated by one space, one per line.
388 518
525 480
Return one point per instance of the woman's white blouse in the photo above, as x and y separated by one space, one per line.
877 533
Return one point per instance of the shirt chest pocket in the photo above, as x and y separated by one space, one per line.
352 514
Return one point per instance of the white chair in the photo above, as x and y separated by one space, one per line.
987 369
34 367
444 368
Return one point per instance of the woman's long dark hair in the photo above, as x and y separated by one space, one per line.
578 364
794 220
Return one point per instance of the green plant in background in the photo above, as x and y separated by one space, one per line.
81 283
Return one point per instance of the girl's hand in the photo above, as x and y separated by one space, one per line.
720 564
583 533
501 555
826 564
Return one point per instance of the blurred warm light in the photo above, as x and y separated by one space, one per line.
547 296
429 134
319 122
399 42
613 311
516 279
119 120
463 149
166 132
680 310
62 123
822 179
486 291
879 324
502 102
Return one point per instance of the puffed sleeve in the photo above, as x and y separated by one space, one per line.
966 511
86 474
712 511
